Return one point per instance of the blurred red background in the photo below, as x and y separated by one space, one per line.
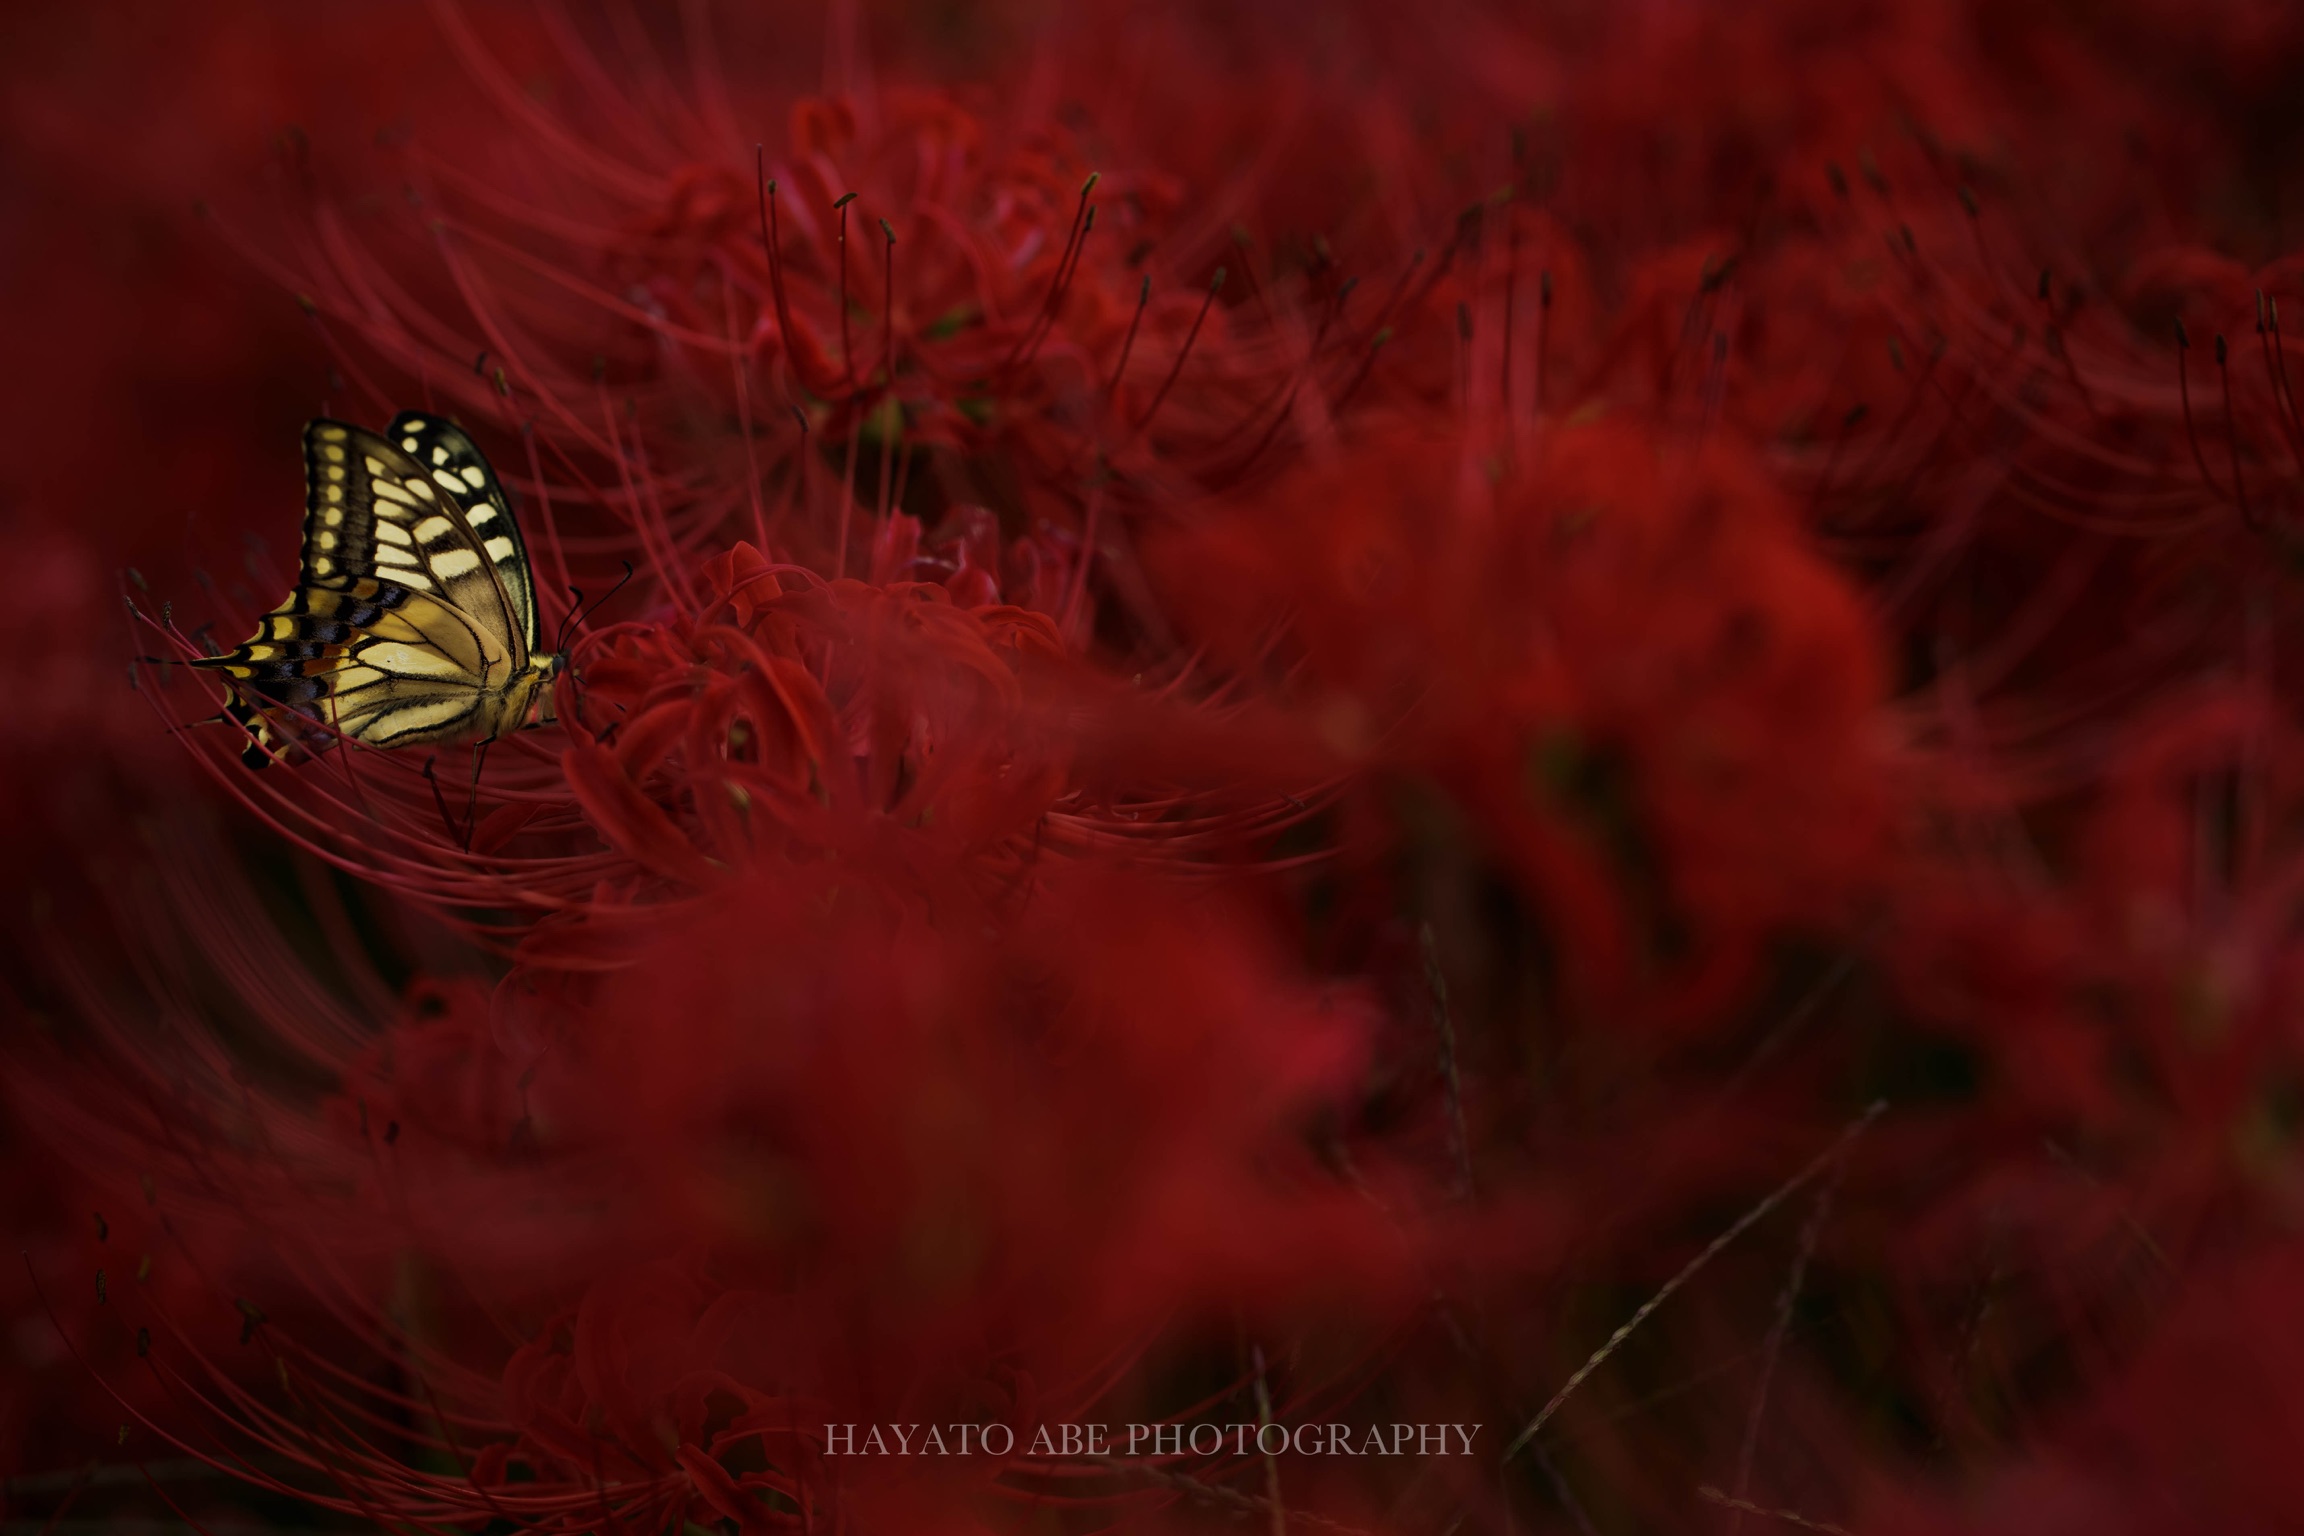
1747 610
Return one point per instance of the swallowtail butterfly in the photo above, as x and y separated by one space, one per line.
414 619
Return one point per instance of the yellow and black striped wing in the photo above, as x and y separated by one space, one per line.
371 510
456 465
377 661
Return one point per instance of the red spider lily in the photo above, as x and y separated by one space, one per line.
997 335
838 1201
786 721
1720 763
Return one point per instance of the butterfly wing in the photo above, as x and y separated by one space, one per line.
420 671
380 662
401 628
457 466
372 511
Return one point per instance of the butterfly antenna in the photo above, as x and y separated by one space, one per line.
607 597
575 611
578 614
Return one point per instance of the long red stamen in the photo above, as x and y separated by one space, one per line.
1715 385
544 503
1078 586
1511 277
2232 432
770 238
2280 367
2052 338
1063 266
1853 418
1463 356
891 411
888 313
847 503
1543 336
1128 342
1295 382
1245 245
798 502
1215 286
1696 320
903 474
643 523
847 352
1382 318
740 365
2276 375
1047 322
1376 344
2184 394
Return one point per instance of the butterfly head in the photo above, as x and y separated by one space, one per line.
546 670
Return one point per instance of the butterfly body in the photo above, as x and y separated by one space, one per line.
414 618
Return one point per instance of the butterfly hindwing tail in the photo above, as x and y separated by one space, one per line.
251 722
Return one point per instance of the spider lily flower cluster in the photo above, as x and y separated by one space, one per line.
1195 794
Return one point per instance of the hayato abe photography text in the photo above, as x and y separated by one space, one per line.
1310 1439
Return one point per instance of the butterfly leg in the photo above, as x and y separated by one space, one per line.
439 801
472 795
